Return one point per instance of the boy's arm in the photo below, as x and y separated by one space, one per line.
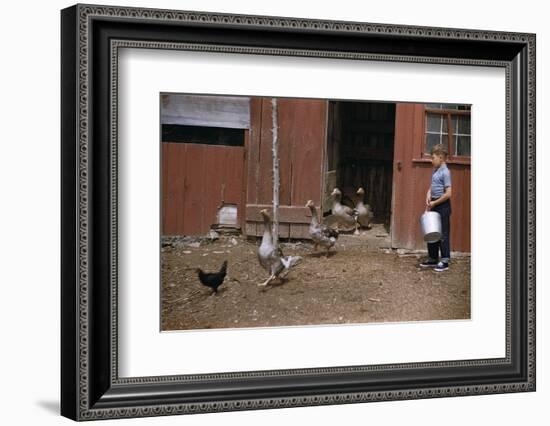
446 196
428 196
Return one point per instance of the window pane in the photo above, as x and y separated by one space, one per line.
431 140
465 125
455 120
433 123
461 107
463 145
461 124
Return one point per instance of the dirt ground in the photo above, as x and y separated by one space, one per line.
360 282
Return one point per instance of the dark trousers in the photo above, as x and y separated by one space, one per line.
443 245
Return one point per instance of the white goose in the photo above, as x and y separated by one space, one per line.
345 215
321 234
363 211
271 258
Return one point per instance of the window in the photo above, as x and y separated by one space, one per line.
448 124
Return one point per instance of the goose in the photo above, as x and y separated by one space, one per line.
321 234
345 215
363 211
271 258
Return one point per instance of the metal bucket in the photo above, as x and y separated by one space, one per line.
430 223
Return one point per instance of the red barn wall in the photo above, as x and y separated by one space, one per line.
196 179
412 177
302 127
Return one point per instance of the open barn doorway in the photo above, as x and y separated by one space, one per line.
360 153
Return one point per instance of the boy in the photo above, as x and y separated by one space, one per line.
438 199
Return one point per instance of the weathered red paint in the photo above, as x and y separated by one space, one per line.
411 180
302 138
197 179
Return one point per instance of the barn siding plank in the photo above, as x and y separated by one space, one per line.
290 214
265 164
253 150
171 165
307 153
215 175
299 231
241 216
193 207
401 201
164 186
287 139
179 168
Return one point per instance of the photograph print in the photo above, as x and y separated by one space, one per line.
280 212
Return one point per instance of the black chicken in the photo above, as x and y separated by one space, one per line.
213 279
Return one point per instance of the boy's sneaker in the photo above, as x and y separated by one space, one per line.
430 263
441 266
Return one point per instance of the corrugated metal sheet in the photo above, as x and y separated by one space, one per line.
212 111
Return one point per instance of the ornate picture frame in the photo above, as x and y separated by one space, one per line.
91 37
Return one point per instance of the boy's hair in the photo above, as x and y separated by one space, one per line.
439 149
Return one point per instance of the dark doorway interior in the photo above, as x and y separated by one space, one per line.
360 143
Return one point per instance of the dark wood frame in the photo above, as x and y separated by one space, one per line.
90 386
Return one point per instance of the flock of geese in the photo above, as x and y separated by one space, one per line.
323 235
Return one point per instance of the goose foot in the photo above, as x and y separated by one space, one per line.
266 282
